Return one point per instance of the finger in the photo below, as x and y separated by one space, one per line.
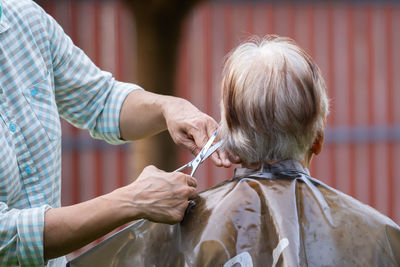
215 157
191 181
203 133
190 145
234 158
193 194
212 126
193 148
225 159
200 137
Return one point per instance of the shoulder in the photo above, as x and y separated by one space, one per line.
23 12
349 206
28 22
22 7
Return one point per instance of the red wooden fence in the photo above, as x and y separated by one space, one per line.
356 46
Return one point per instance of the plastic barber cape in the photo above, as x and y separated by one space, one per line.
275 216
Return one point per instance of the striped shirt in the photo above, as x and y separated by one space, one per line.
43 76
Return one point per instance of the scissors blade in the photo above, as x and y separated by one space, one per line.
199 158
212 150
208 145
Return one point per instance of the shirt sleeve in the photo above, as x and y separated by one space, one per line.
21 236
86 96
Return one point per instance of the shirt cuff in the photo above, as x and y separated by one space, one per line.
110 130
30 227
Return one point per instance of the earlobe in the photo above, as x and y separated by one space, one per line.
317 146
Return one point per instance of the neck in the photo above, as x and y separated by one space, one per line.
256 165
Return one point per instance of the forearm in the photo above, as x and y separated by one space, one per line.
69 228
155 195
142 115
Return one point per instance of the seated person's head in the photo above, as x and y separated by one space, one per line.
274 102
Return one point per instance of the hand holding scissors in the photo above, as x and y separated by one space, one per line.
205 152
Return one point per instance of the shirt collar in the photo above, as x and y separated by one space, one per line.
3 20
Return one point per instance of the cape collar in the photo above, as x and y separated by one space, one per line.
284 166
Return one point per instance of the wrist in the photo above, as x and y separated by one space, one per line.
164 104
120 201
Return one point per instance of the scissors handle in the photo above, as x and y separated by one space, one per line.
181 168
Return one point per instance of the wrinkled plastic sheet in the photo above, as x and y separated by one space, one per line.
270 217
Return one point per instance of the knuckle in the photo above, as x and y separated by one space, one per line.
149 168
198 123
194 149
189 192
180 140
191 180
194 181
179 176
182 193
186 192
179 217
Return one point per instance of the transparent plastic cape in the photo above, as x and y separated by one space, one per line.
275 216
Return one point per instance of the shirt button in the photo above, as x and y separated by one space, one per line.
34 92
13 128
28 170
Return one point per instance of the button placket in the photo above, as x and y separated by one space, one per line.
26 165
27 169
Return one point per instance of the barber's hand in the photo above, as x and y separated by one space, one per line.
191 128
160 196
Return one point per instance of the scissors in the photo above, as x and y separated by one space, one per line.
205 152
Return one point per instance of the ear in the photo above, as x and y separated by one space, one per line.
318 142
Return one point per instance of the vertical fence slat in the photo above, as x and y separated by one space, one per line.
208 24
97 43
119 65
228 41
311 50
340 95
390 110
183 77
360 106
331 87
370 84
249 17
351 95
396 108
76 178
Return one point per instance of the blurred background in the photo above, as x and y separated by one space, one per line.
178 47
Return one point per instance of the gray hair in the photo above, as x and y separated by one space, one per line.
274 101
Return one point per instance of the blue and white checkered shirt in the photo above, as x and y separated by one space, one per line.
43 75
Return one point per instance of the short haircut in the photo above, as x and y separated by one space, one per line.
274 101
